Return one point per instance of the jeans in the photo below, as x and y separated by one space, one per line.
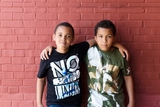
56 105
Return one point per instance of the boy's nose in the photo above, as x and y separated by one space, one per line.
105 40
63 38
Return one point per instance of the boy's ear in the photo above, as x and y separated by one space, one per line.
73 39
114 38
53 37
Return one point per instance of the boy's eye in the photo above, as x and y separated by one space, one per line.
68 36
59 35
109 36
100 36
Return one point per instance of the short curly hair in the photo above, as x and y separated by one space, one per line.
66 24
105 24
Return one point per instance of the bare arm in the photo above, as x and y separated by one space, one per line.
91 42
40 89
122 50
130 89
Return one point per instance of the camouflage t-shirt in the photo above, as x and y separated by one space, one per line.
106 71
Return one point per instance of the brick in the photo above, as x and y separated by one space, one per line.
130 24
30 96
153 10
30 68
46 4
12 0
43 31
12 68
126 38
81 24
153 1
149 24
5 60
8 39
5 4
147 5
58 1
11 24
23 38
27 89
71 16
48 16
36 24
12 10
69 5
156 31
152 38
104 10
34 1
23 32
6 75
23 60
23 104
97 5
83 1
31 75
153 90
30 53
58 10
19 75
23 5
82 10
12 53
26 16
144 16
13 90
11 82
131 10
87 31
3 89
92 16
131 1
35 10
115 16
6 31
6 16
16 97
29 82
148 53
6 103
23 45
104 1
116 5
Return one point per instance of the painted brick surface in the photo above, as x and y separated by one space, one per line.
26 27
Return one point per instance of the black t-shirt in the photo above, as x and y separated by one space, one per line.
63 75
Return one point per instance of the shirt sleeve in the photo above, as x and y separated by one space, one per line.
126 70
83 47
42 69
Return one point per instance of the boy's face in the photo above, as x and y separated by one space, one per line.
104 38
63 38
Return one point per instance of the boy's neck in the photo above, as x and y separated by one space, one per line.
61 51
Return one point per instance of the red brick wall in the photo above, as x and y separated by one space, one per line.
26 27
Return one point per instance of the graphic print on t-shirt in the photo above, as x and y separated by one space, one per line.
66 77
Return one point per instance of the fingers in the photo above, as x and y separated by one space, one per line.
44 55
126 55
49 51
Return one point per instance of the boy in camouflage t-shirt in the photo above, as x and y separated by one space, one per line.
106 70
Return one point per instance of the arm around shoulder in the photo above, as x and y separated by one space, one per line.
91 42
